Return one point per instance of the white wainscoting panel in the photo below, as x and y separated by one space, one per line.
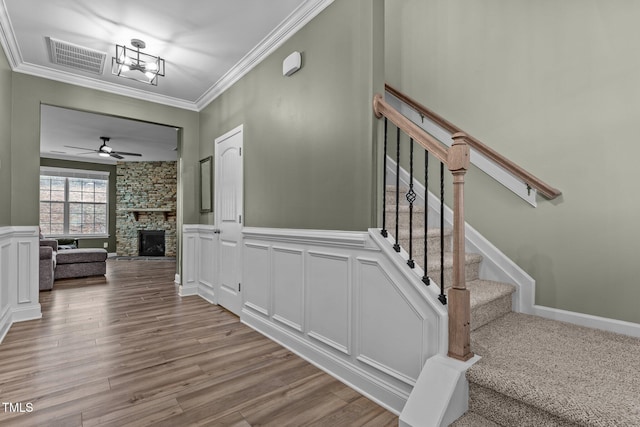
256 277
288 290
402 328
24 271
329 283
343 302
19 276
199 262
5 280
205 262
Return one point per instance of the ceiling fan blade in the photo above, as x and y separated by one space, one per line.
127 154
115 155
80 148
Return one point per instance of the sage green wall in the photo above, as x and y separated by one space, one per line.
5 140
94 243
555 87
309 139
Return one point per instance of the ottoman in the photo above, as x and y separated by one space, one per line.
80 263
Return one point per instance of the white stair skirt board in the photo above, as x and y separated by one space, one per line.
498 267
483 163
19 276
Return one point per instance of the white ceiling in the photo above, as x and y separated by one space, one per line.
207 45
82 129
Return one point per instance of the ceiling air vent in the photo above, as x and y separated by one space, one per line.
77 57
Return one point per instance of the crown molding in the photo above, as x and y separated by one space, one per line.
287 28
8 39
91 83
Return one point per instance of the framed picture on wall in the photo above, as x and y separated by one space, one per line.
206 184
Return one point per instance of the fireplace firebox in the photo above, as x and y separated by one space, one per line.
151 242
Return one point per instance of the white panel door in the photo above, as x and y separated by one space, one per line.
228 217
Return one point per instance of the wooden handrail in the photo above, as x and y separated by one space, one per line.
531 180
429 143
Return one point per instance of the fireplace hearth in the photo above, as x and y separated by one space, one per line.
151 243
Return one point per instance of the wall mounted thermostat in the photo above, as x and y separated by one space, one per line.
291 64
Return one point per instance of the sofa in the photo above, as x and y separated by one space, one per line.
58 263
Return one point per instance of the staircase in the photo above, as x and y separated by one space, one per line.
533 371
489 300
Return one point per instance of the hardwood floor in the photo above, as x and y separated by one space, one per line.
124 349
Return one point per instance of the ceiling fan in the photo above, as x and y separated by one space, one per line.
106 151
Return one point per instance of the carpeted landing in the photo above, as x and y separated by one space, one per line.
540 372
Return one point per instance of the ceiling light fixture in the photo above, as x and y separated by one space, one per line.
135 65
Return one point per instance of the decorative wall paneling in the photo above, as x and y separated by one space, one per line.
339 300
19 275
342 300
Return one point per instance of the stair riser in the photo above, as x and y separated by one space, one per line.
390 199
403 217
472 272
433 246
481 315
507 411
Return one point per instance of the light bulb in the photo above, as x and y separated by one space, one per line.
151 66
103 154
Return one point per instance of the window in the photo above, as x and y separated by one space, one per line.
73 203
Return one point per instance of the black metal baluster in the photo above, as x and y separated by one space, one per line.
425 277
384 183
411 197
442 297
396 246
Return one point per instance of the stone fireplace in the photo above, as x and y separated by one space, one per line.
146 202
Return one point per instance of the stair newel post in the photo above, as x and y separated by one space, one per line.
384 183
459 297
396 246
411 197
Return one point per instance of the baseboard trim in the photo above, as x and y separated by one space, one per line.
385 395
187 291
207 294
588 320
23 314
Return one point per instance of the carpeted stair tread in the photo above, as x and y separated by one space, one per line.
579 375
471 419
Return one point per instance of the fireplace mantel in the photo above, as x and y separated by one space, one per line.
136 211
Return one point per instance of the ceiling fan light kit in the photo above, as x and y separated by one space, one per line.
135 65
